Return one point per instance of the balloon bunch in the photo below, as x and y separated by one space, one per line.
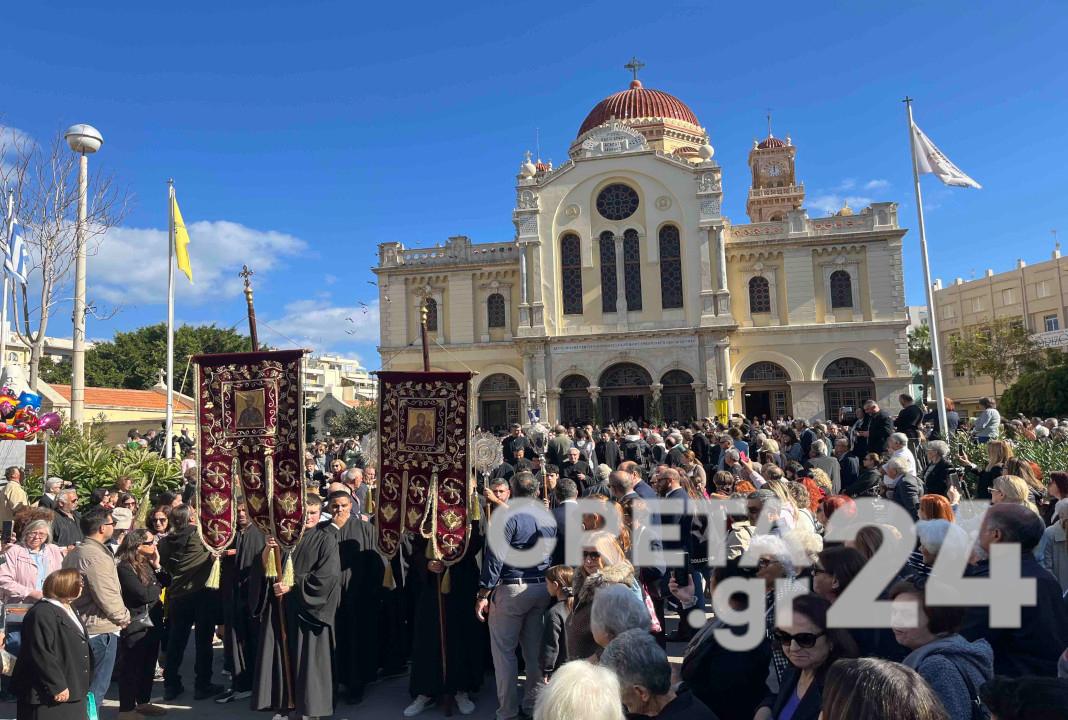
20 418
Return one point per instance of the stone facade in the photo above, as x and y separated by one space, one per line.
626 293
1035 295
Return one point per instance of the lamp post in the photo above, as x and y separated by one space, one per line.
84 140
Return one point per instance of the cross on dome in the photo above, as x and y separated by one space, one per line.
634 66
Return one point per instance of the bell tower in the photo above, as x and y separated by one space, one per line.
775 190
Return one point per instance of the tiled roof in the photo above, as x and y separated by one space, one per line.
123 398
638 102
771 142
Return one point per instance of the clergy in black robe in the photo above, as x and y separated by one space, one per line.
242 626
395 616
360 583
465 636
310 607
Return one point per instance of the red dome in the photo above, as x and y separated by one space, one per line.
638 102
771 142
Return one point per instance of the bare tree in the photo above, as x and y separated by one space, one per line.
45 181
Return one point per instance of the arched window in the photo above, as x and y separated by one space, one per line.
571 274
609 290
677 397
431 315
670 267
759 295
841 290
632 270
495 310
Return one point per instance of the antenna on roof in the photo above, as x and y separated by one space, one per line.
769 122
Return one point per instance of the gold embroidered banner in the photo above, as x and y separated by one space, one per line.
424 481
250 429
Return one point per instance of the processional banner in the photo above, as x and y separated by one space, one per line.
424 481
250 434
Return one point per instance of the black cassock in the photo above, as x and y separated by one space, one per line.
465 636
240 596
357 626
310 607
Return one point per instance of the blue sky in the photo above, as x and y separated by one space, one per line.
301 134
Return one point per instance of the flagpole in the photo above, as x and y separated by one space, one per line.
3 305
932 322
169 427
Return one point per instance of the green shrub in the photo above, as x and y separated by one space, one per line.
1049 454
89 463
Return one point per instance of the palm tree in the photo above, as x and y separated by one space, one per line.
920 353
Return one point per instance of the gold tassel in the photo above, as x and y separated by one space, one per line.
387 579
215 574
270 565
446 582
475 507
287 572
370 509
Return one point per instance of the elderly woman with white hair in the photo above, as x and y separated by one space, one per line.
580 690
616 610
1053 549
775 565
936 534
644 675
28 562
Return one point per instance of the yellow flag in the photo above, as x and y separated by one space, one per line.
181 241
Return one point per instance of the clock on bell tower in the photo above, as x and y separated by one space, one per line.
775 190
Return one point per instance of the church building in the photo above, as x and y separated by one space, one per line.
625 293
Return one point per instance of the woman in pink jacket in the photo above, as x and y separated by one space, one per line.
28 562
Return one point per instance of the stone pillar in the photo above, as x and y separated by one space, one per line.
723 295
553 411
887 391
621 289
723 371
699 397
807 398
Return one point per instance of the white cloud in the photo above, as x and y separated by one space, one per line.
831 203
847 184
877 184
323 327
130 264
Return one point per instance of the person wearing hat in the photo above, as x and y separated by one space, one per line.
123 522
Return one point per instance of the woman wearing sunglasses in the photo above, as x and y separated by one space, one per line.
141 582
603 563
811 647
159 520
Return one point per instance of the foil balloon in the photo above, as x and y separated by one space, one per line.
30 399
49 421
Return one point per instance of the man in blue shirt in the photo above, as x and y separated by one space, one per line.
514 599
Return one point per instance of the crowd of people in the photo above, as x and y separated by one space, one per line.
116 590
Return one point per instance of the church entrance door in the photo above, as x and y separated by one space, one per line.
765 391
625 393
757 403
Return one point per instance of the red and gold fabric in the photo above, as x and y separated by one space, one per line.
424 480
250 443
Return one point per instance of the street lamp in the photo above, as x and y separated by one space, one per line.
84 140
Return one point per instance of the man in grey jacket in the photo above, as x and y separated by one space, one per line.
100 606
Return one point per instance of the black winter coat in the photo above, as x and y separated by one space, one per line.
54 656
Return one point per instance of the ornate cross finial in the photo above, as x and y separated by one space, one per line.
634 66
769 122
247 275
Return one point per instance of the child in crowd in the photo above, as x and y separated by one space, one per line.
558 580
